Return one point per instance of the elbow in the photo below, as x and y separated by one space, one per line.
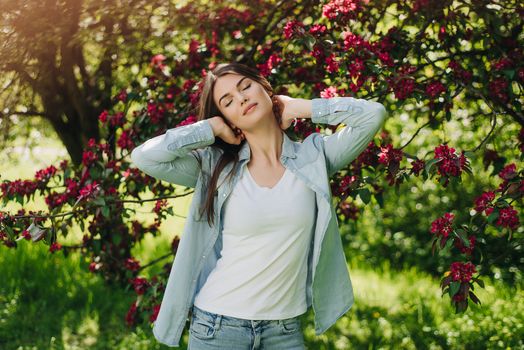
135 156
381 113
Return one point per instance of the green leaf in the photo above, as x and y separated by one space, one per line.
453 288
105 212
479 282
447 247
430 163
310 42
100 201
365 195
493 216
116 238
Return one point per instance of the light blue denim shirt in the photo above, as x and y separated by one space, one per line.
170 157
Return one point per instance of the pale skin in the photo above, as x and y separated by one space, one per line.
258 127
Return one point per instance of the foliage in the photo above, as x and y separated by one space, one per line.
427 61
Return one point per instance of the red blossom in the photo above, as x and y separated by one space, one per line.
317 29
355 41
89 190
450 164
501 63
88 158
332 65
157 61
443 225
462 271
131 314
103 116
460 73
54 247
498 89
140 285
434 89
484 201
118 119
159 204
463 249
293 28
508 217
154 314
124 141
341 9
132 264
509 172
45 174
389 154
417 166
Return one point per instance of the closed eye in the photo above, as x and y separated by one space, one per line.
247 87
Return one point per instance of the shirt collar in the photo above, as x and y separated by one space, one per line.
287 148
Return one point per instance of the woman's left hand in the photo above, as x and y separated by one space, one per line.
286 109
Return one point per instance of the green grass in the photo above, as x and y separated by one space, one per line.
48 301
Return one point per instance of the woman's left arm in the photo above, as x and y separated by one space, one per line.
362 119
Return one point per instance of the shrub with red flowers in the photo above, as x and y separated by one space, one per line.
446 62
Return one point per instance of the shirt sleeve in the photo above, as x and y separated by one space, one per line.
362 119
172 156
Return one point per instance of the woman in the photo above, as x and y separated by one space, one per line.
261 243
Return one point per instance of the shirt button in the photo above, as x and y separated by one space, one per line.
203 256
224 195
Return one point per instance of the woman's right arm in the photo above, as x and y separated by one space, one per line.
170 157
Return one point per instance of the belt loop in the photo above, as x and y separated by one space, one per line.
218 321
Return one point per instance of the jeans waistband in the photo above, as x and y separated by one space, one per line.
214 318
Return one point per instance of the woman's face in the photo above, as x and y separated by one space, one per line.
234 93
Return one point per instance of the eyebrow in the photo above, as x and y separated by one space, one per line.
239 82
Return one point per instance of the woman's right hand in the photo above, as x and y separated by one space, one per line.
225 132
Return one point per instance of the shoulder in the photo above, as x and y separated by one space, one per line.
314 140
309 149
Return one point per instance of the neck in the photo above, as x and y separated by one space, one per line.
265 143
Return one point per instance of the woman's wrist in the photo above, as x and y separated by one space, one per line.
217 124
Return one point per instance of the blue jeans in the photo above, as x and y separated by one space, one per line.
208 330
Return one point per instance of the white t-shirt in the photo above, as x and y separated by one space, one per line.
262 271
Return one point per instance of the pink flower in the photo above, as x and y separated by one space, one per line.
293 27
157 61
346 9
317 29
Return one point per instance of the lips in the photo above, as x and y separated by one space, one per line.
248 108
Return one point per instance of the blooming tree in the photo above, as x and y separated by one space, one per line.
424 58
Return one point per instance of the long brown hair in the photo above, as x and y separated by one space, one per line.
208 109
